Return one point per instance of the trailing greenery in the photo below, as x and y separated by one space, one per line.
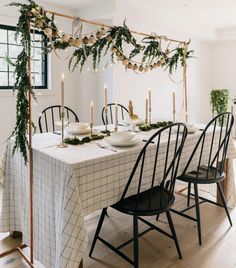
155 126
22 83
112 40
77 141
219 100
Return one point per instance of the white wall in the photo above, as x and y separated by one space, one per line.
223 65
134 86
7 100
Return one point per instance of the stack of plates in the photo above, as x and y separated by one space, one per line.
122 139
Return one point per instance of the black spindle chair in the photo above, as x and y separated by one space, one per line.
209 154
51 114
150 191
122 111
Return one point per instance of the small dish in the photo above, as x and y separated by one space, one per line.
117 143
122 136
78 128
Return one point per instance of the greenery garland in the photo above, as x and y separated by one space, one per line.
77 141
112 40
155 126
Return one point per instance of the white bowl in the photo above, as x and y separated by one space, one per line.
122 136
78 127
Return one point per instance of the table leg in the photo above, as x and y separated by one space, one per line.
224 183
81 264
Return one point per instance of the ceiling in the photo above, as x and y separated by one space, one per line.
214 14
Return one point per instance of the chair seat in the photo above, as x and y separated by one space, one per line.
150 202
213 175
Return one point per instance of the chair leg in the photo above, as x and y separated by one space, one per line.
157 217
198 214
172 228
135 230
224 202
189 192
106 214
98 231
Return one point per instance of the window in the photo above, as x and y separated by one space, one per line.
8 46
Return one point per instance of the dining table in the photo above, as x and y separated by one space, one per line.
73 182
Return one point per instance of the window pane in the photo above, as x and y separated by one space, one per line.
13 48
3 65
14 51
3 36
12 68
37 53
38 80
11 37
3 50
11 79
3 79
37 66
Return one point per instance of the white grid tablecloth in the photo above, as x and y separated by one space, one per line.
69 184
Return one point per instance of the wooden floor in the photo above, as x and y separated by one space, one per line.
218 249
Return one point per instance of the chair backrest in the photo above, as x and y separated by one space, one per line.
157 164
51 114
210 151
122 111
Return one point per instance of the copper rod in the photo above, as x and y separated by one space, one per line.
104 25
26 258
30 159
185 84
12 250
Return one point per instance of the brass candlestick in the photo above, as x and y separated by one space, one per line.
106 118
91 129
62 144
150 116
174 114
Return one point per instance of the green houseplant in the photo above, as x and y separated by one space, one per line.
219 100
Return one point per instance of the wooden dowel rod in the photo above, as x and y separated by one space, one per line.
105 25
30 159
26 258
12 250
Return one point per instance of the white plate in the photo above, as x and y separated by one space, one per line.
118 143
81 132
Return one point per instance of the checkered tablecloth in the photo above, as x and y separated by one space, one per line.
69 184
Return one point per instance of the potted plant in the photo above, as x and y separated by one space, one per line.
219 101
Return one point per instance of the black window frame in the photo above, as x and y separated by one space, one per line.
45 65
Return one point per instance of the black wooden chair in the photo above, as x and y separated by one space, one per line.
210 158
51 114
122 111
153 191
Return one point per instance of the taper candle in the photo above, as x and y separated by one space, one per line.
91 112
173 99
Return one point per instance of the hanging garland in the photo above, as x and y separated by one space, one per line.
96 45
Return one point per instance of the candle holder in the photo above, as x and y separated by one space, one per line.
106 118
91 129
62 144
146 121
174 115
150 116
